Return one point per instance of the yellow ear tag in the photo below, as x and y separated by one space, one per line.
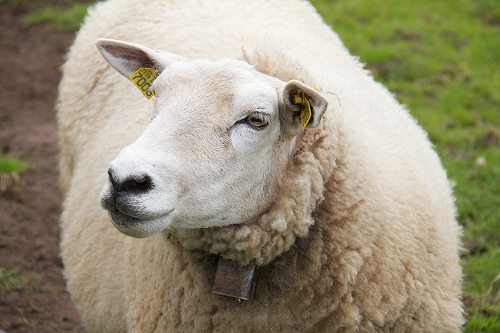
143 79
305 112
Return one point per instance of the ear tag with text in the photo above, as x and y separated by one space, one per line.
143 79
305 112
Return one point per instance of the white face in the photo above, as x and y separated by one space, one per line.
211 156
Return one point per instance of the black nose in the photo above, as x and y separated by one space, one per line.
132 184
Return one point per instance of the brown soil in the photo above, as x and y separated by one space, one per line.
30 60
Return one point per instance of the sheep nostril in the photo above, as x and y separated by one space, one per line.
143 185
135 184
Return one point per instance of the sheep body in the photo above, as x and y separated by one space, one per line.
361 237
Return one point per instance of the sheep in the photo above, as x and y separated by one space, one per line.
254 138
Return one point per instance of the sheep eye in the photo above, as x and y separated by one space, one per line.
257 120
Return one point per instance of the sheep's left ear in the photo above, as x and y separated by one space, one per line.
303 106
139 64
127 58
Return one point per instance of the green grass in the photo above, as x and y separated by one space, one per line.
11 164
10 169
65 15
442 59
12 281
62 19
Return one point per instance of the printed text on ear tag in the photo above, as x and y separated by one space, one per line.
305 112
143 79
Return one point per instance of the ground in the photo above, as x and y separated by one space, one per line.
30 60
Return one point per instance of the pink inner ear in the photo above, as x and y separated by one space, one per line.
314 101
137 55
292 92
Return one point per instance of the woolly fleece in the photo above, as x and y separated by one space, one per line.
362 236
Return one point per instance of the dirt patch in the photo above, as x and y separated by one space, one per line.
29 209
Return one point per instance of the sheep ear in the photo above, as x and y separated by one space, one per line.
303 106
127 58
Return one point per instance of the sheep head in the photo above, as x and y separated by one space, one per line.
220 138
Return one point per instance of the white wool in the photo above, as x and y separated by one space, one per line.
352 220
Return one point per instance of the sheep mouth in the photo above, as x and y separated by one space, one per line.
123 219
137 227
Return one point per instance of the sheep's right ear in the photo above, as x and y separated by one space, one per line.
303 106
127 58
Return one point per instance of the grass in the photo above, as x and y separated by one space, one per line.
10 169
64 15
62 19
442 59
11 164
12 281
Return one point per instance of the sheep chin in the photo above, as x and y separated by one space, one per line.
138 228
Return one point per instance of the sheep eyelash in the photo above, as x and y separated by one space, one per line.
264 116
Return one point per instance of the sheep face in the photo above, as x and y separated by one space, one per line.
220 137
